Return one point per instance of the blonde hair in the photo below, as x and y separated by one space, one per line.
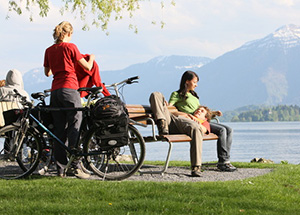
61 30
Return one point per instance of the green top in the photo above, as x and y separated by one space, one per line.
190 105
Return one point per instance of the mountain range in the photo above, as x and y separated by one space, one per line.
264 71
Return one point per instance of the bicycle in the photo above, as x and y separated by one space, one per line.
20 158
108 166
47 158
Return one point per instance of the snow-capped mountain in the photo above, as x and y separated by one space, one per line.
158 74
178 62
286 37
264 71
36 81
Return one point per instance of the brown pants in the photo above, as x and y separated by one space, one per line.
179 125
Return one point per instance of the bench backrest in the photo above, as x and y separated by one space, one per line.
143 110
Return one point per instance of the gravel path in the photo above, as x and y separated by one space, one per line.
183 174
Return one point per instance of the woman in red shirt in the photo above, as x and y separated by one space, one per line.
60 60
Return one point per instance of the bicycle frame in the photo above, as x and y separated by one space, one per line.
45 129
97 90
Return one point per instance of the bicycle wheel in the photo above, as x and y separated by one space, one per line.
117 163
17 161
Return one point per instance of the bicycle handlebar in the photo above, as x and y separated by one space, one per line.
127 81
23 98
131 80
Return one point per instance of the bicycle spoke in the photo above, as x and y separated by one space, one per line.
16 164
117 163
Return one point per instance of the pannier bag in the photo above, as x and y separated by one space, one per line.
110 116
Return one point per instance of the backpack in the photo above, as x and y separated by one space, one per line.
110 118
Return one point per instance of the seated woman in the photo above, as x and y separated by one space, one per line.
179 124
13 81
186 100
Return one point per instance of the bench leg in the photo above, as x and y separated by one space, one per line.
166 165
210 164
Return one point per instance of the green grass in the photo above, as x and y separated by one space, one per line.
275 193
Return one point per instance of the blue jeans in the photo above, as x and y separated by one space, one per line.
224 142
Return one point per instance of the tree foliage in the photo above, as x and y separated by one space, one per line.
102 11
278 113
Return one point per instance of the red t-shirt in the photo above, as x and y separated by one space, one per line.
207 126
61 59
205 123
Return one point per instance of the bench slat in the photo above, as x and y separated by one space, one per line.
174 138
144 109
210 136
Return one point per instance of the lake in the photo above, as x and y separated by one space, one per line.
278 141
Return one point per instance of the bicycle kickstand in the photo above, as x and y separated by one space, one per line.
72 158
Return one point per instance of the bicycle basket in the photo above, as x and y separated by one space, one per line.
11 116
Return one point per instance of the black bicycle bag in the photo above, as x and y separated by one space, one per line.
110 117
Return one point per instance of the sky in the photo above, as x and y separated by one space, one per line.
206 28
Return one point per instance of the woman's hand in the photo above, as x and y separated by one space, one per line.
47 71
92 57
190 116
88 65
219 113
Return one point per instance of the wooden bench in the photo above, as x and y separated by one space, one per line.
143 115
4 106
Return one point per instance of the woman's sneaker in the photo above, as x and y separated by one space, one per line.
79 173
196 171
226 167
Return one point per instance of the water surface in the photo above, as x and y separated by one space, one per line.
278 141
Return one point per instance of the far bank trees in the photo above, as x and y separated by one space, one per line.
274 114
